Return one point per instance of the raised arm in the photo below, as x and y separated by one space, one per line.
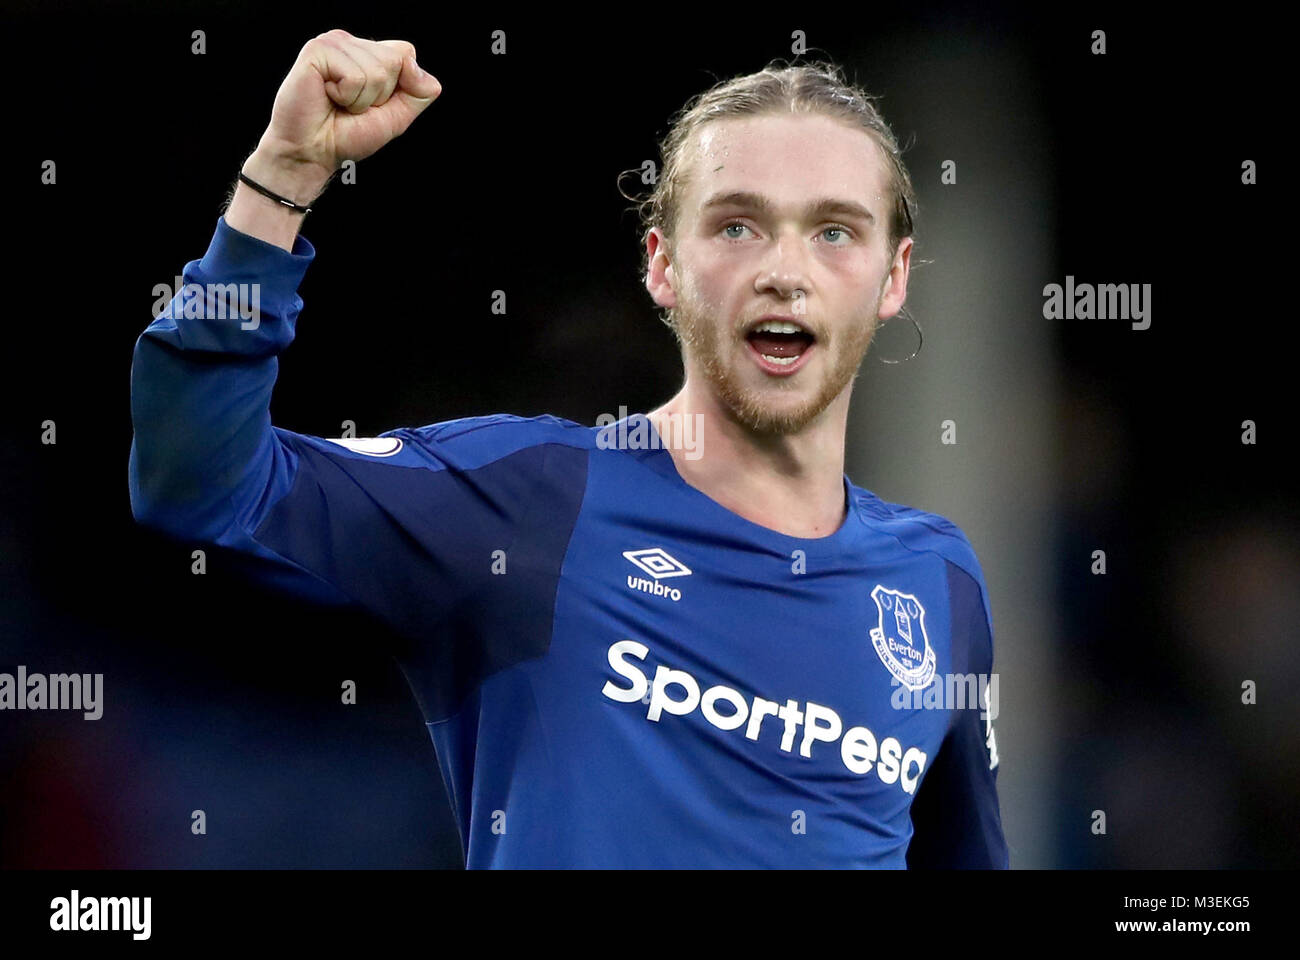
206 463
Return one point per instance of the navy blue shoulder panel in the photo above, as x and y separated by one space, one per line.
462 562
956 821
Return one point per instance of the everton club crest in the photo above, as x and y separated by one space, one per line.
900 638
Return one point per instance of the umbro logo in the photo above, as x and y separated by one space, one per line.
660 564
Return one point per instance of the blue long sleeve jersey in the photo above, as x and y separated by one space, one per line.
616 670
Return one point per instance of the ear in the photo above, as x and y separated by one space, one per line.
659 277
895 289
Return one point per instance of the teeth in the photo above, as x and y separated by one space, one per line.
781 361
778 326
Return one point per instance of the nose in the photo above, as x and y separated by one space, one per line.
784 268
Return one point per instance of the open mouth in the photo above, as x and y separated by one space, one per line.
780 346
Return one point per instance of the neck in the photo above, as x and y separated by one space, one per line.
791 483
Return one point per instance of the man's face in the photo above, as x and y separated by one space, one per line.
738 259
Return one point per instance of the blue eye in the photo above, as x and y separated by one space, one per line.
836 229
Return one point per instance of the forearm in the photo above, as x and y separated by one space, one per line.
259 216
201 383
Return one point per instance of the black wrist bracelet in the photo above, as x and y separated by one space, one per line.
296 208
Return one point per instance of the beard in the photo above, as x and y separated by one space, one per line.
709 344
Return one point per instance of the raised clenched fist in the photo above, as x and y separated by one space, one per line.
346 97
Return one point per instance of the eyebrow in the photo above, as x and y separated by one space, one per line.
819 207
